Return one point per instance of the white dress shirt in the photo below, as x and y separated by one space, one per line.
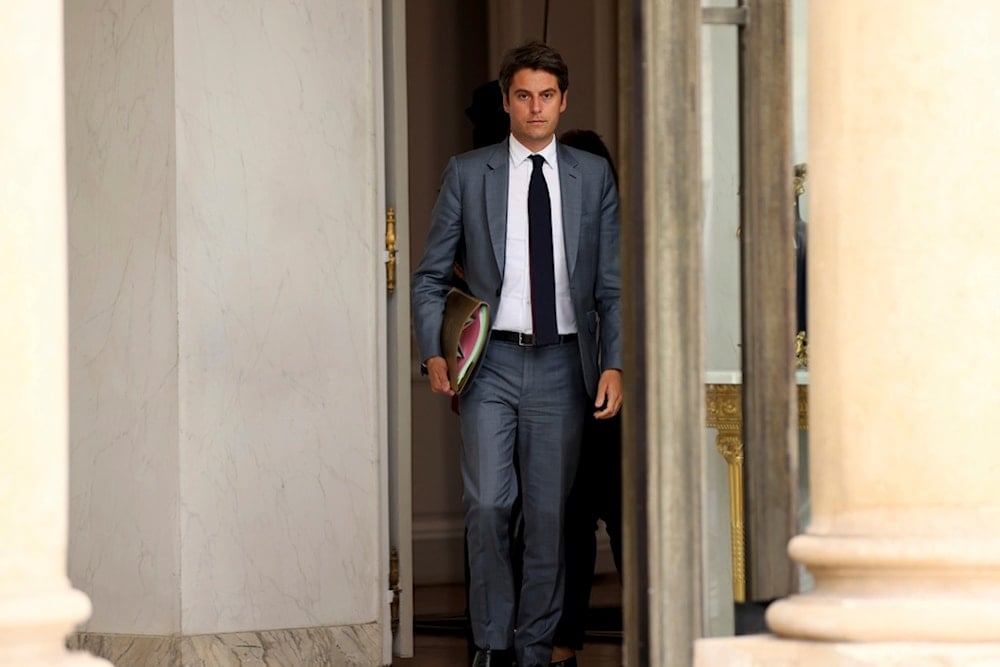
514 310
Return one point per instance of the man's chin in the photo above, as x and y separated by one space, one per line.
539 134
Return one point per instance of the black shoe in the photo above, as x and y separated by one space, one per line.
486 657
568 662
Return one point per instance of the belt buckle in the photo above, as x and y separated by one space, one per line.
525 339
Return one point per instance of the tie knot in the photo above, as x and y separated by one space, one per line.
538 160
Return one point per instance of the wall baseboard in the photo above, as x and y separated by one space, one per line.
347 646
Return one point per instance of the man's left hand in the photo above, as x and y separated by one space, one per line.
609 394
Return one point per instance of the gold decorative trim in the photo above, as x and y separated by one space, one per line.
724 409
390 249
801 173
724 412
803 407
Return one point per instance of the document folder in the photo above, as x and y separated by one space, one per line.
464 333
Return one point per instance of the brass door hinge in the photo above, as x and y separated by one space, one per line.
390 248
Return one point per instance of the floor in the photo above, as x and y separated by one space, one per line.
439 635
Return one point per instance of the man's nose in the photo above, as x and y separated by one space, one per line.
536 104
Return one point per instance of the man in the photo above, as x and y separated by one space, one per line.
538 223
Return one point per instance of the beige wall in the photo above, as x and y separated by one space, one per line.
446 60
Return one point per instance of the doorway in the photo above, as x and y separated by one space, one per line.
454 46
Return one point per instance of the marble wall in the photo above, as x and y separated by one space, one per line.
277 236
124 455
225 290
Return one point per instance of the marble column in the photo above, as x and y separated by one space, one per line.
38 607
904 541
226 359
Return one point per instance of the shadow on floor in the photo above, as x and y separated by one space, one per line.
439 627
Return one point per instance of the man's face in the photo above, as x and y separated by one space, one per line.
534 103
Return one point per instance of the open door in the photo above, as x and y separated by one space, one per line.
398 321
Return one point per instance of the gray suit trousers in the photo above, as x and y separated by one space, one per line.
532 400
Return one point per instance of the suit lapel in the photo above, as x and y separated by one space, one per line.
496 176
570 187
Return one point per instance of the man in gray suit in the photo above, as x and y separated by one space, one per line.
538 224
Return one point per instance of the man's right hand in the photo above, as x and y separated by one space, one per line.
437 371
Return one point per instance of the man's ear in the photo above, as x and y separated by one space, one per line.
506 102
565 95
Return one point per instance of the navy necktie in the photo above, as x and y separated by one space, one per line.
543 281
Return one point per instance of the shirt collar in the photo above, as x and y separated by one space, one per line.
519 153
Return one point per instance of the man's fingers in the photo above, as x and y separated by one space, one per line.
440 384
611 409
437 372
609 397
601 395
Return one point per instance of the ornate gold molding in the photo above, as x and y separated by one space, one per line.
724 409
724 412
801 171
803 407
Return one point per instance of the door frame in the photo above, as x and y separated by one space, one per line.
398 362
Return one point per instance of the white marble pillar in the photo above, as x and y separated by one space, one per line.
904 266
38 607
226 282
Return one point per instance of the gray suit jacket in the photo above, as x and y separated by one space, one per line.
472 209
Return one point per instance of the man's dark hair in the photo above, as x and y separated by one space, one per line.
533 55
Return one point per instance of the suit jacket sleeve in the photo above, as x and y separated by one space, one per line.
433 277
607 291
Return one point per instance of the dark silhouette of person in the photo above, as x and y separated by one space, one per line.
801 238
490 123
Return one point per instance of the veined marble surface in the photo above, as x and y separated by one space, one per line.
124 650
124 475
278 248
225 270
347 646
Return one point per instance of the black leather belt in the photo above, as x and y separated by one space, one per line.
525 339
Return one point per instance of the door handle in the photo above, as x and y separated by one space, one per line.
390 247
